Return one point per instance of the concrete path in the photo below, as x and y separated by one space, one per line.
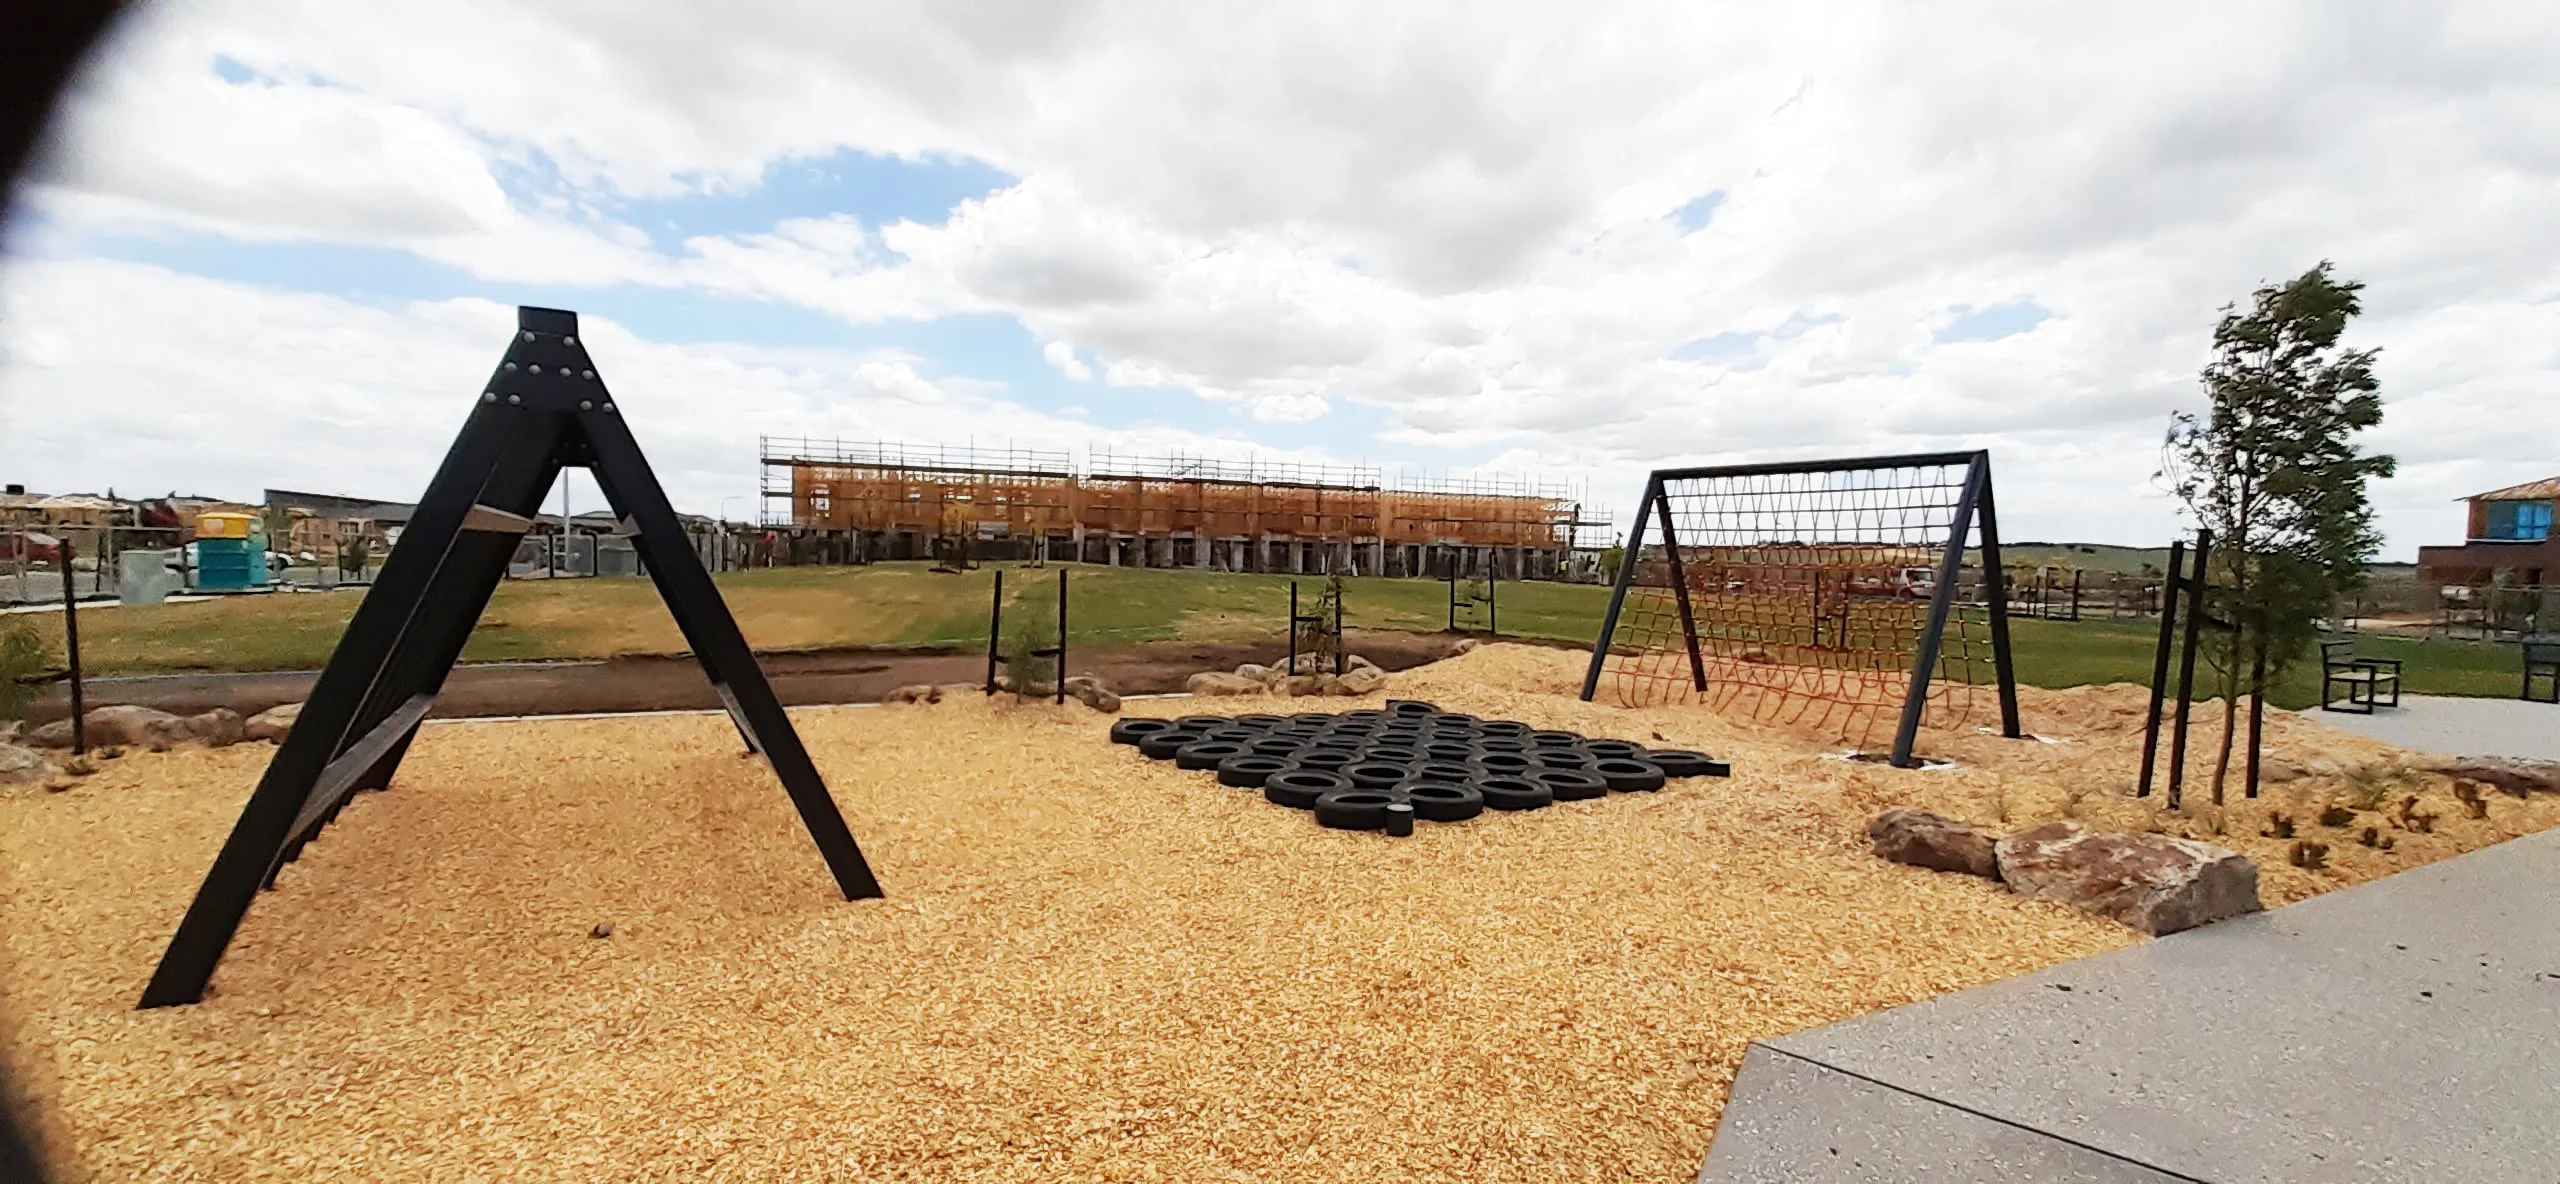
2458 727
2398 1031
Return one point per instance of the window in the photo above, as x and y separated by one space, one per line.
2524 522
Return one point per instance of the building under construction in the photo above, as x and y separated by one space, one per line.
852 502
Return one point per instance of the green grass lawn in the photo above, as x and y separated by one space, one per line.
905 605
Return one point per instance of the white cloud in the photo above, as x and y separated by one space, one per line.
1462 214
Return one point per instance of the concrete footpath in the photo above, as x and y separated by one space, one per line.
2444 726
2403 1030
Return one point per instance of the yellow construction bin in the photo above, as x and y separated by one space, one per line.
225 524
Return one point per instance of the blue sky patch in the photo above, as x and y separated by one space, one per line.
1694 216
1723 349
1995 322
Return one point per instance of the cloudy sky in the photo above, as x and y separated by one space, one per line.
278 242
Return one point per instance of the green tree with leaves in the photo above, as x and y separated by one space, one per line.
2272 468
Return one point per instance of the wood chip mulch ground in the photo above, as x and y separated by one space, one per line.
1091 967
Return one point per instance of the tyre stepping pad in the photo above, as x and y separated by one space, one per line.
1381 770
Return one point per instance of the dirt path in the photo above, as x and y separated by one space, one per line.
662 684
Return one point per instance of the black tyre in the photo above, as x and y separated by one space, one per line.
1449 750
1130 731
1162 745
1324 759
1614 749
1411 708
1203 723
1354 809
1260 723
1447 718
1311 719
1627 776
1440 801
1233 735
1561 758
1501 744
1571 785
1370 717
1392 753
1402 733
1679 763
1205 754
1554 739
1249 771
1502 727
1368 774
1338 743
1298 789
1282 746
1443 772
1362 730
1513 793
1505 764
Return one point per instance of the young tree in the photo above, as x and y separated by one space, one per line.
2272 468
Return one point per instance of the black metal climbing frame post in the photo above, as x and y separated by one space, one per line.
1059 675
543 409
71 649
2160 665
1942 603
995 631
2195 587
1627 559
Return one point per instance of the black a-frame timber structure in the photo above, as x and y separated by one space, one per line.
545 409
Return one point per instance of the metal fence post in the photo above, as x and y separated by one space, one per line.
71 650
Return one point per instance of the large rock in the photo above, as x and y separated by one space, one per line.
1923 839
130 726
1219 682
1261 674
1351 662
1092 693
1465 646
23 766
274 724
923 692
53 735
2153 883
2518 777
1302 684
1362 680
218 728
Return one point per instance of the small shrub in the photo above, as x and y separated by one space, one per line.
2279 826
2414 819
2308 855
2474 804
2337 816
2372 836
23 664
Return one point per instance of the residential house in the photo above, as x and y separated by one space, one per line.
2509 542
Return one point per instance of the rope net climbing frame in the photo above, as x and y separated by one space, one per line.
1812 594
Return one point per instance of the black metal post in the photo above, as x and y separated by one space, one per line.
2187 666
1293 629
2004 666
2257 715
1942 603
71 648
1618 597
995 630
1337 630
2075 596
1680 592
2160 664
1492 609
1453 604
1060 675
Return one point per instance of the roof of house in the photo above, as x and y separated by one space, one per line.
2548 487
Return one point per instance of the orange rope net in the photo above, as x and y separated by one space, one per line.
1808 596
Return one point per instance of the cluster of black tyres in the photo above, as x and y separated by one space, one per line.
1381 770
